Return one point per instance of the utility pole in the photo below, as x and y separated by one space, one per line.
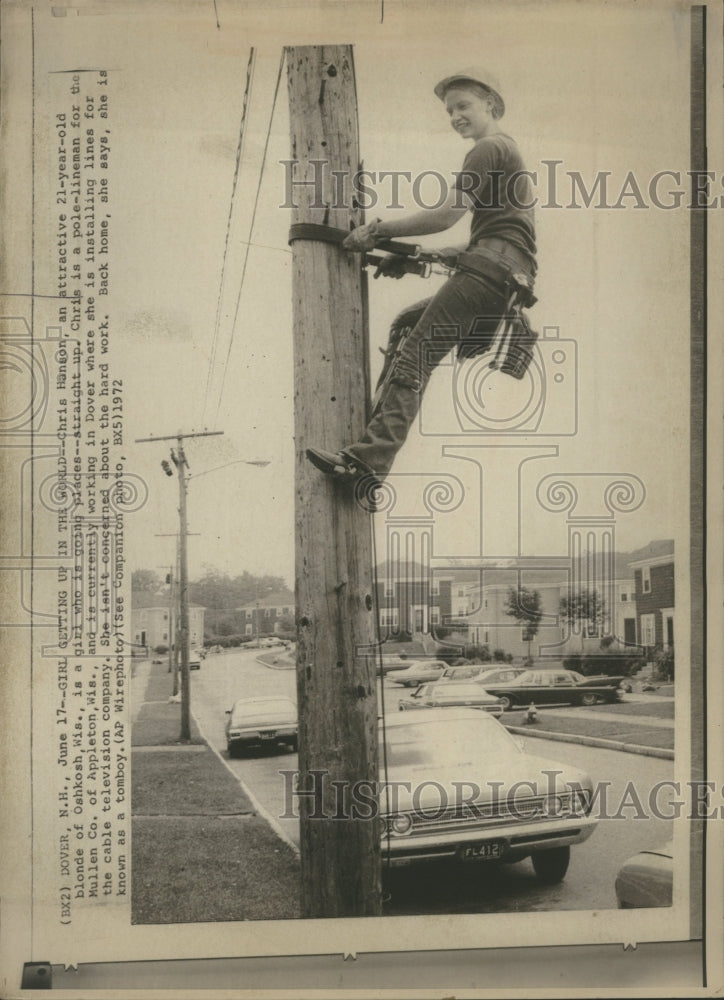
173 655
336 671
179 460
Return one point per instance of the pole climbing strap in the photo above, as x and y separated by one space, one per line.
330 234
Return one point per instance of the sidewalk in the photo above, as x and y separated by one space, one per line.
200 851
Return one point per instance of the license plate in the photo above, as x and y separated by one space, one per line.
475 852
269 736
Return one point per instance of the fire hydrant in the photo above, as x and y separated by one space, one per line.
532 714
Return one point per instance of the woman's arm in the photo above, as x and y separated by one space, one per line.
426 222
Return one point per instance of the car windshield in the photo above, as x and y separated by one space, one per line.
455 743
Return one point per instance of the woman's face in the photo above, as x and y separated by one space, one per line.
470 115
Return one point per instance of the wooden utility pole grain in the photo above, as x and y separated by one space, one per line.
336 675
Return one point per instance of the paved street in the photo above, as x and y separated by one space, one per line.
482 888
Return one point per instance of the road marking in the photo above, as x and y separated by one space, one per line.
259 808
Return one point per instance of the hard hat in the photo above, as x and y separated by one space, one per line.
473 74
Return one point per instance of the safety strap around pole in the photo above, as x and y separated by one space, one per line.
330 234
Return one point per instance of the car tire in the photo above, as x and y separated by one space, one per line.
551 865
293 745
589 699
506 702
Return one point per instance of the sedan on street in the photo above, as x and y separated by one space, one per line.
261 722
555 687
647 879
458 785
452 694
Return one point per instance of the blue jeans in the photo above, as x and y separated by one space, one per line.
464 314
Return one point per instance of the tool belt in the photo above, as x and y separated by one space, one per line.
518 279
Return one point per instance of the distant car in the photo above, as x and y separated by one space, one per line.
448 694
390 663
257 722
498 675
647 879
195 659
466 790
419 672
464 672
555 687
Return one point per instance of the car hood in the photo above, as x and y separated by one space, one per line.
521 775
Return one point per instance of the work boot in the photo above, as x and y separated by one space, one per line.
339 464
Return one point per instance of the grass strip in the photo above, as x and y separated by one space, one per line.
176 783
160 725
622 733
656 710
193 869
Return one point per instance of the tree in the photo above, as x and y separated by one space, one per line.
146 580
523 604
584 608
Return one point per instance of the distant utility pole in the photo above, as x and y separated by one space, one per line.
336 672
179 460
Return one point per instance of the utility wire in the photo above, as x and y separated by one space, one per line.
251 233
239 151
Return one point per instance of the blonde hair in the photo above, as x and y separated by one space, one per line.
496 104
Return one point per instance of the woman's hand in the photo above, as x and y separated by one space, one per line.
362 238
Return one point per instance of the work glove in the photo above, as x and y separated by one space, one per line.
362 238
392 266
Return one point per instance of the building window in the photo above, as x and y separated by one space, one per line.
648 630
624 595
248 630
461 593
646 579
285 611
266 612
248 616
434 616
388 618
389 588
165 636
462 610
486 636
485 603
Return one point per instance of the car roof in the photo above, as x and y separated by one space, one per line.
251 702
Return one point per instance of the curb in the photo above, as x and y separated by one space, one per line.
593 741
273 666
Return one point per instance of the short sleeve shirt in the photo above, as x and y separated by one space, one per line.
494 178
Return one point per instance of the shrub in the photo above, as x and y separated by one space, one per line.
160 649
500 656
610 664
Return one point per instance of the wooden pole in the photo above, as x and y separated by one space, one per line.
336 680
183 595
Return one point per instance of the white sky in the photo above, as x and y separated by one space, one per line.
600 87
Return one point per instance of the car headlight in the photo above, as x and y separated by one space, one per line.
401 824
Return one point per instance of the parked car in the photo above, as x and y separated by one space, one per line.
390 663
466 790
419 672
498 675
446 694
195 659
256 722
555 687
647 879
464 672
